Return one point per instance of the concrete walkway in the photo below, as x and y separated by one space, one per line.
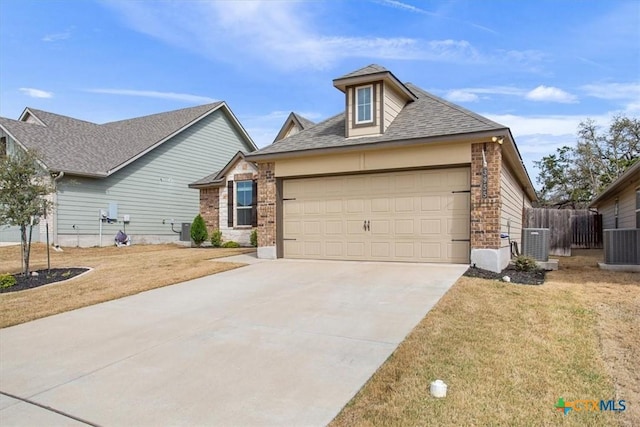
273 343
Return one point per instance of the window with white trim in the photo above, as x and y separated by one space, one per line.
244 198
364 104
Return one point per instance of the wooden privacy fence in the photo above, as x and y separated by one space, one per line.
568 228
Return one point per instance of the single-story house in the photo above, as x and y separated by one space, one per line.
619 205
398 175
129 175
228 197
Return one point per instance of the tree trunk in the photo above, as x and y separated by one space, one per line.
25 250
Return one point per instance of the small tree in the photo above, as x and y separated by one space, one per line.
23 187
199 230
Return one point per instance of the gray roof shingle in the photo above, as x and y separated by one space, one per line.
428 116
365 71
80 147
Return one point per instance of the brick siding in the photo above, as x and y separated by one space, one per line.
266 205
485 202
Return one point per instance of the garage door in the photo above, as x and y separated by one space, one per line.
417 216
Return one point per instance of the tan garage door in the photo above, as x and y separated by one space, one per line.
414 216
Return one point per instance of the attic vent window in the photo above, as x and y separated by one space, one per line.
364 105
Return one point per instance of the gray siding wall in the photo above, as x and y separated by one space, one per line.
513 200
151 189
626 209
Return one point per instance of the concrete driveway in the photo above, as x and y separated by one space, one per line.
273 343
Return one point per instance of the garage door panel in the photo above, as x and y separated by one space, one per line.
393 216
431 226
404 226
404 250
458 252
381 249
312 227
334 249
404 204
431 251
312 248
355 250
333 206
430 203
459 202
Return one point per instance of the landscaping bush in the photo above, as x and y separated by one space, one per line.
525 263
230 244
7 281
216 239
199 230
254 238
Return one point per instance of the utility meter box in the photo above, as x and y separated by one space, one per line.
185 232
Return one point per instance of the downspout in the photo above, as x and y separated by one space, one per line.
54 222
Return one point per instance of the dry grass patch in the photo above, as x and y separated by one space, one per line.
508 352
118 272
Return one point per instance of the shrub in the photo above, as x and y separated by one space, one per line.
254 238
216 239
198 230
230 244
525 263
7 281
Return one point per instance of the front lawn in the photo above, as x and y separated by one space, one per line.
508 353
117 272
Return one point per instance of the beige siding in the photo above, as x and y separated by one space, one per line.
393 104
396 158
626 209
513 201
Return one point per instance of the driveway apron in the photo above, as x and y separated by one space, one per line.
273 343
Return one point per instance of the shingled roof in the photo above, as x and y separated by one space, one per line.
427 117
84 148
296 120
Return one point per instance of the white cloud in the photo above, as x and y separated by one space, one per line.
407 7
286 35
630 91
64 35
185 97
471 94
551 94
461 95
36 93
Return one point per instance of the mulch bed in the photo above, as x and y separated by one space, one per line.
44 277
535 277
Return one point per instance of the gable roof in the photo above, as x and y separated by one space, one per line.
296 120
373 72
217 179
83 148
427 117
628 177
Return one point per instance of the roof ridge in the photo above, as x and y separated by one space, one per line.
167 113
468 112
35 110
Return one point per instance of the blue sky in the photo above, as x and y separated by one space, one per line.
538 67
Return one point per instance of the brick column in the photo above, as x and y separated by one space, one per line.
266 210
485 195
210 208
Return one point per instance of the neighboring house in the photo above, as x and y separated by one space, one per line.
228 200
129 175
619 205
293 124
400 175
